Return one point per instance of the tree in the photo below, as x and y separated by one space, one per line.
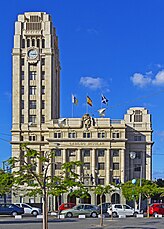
101 190
41 182
6 182
147 190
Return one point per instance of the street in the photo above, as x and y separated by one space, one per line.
89 223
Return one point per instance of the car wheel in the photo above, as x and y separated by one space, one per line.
114 214
35 213
94 214
69 215
14 213
135 214
155 213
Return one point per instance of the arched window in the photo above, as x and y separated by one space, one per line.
28 42
38 43
33 42
43 43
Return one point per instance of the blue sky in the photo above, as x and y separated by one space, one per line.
113 47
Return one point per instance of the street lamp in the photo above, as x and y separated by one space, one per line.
133 156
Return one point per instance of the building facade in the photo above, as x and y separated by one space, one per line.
104 146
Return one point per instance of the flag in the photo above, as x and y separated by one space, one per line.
102 112
104 99
89 101
74 100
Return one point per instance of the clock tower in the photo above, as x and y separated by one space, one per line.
35 79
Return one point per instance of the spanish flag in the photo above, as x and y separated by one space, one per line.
89 101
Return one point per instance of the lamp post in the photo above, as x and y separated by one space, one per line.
133 156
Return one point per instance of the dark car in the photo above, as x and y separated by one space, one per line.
10 209
105 207
156 208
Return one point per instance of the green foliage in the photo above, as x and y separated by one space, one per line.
148 189
101 190
6 182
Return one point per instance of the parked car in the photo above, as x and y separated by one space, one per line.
156 208
88 210
10 209
122 209
105 207
65 206
28 209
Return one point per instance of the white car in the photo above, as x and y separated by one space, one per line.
28 209
121 209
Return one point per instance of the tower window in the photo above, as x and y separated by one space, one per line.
32 138
28 42
116 135
137 116
23 43
43 90
22 90
32 104
72 135
43 104
22 118
116 153
43 119
86 135
32 75
57 135
22 75
86 152
38 43
101 166
101 135
43 75
32 90
33 42
22 104
43 43
22 61
100 152
32 119
115 166
43 61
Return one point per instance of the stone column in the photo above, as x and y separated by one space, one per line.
107 163
93 163
122 165
79 159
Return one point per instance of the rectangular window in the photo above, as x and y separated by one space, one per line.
116 135
23 43
43 75
57 135
137 116
43 90
32 90
71 152
32 104
22 61
137 167
100 152
43 104
101 181
72 135
138 138
57 152
86 135
43 119
86 166
115 166
101 135
32 75
42 138
86 152
138 155
32 119
43 61
101 166
22 104
22 118
116 153
32 138
22 90
22 75
43 43
58 165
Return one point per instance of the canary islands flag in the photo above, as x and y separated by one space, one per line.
74 100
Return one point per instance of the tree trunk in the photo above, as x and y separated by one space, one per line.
45 212
148 205
101 215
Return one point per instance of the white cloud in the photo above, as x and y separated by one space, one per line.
92 83
159 78
141 80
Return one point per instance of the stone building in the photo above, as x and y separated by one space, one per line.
104 145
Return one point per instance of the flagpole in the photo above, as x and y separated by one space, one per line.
72 110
